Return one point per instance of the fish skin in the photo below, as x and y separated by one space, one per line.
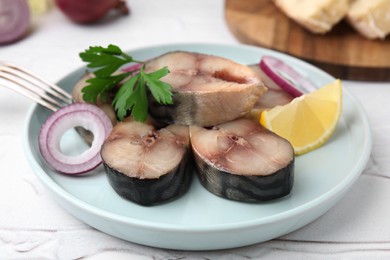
245 188
149 192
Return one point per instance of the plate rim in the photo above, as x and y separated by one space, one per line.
70 198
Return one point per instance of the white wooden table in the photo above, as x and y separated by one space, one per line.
33 226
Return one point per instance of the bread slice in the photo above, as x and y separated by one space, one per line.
371 18
318 16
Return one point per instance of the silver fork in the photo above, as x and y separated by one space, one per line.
34 87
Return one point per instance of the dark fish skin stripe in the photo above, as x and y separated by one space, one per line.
245 188
147 192
182 111
186 108
163 114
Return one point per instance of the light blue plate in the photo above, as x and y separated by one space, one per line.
200 220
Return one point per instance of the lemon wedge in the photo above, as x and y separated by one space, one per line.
308 121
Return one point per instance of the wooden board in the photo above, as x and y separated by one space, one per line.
343 52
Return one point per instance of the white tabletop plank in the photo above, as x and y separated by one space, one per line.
33 226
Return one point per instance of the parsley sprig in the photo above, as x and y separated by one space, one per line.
132 95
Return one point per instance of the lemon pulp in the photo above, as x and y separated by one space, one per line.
308 121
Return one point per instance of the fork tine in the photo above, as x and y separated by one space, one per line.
38 81
34 97
34 87
37 95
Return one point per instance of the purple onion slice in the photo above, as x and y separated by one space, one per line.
83 115
285 76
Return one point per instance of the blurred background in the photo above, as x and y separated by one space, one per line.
53 34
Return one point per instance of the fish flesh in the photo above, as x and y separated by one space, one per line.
145 165
207 90
275 96
241 160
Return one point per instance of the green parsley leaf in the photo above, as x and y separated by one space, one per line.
140 108
160 90
100 87
133 95
108 60
124 99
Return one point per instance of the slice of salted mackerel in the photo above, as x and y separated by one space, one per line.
241 160
207 90
145 165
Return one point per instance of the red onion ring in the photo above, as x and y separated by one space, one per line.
87 116
15 20
285 76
